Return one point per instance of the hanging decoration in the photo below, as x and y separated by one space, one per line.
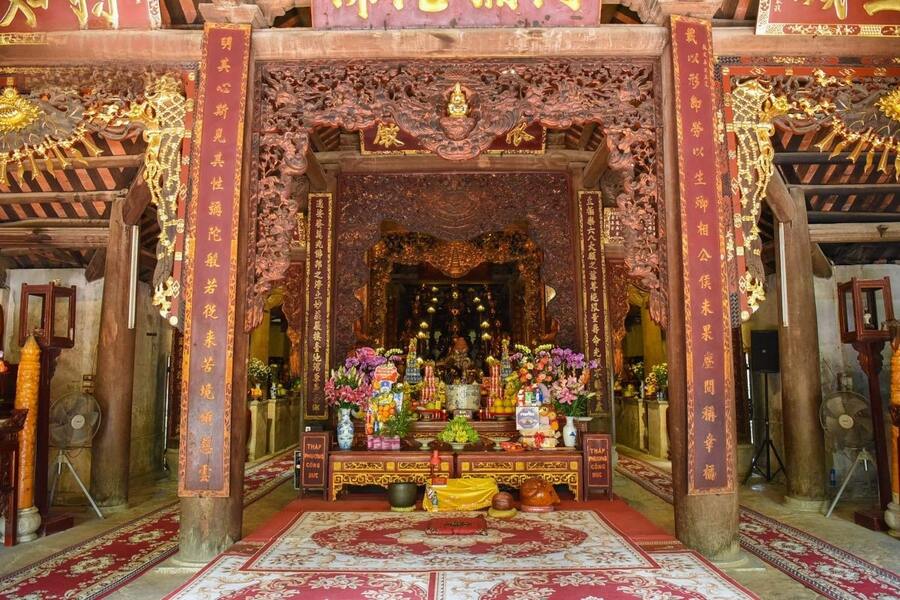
754 109
163 114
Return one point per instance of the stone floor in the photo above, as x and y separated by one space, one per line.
765 581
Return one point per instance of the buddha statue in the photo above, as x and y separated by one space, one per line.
457 108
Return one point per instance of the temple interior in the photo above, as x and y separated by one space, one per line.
450 301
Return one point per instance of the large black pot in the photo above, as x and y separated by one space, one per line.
402 496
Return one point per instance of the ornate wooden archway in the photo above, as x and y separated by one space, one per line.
621 97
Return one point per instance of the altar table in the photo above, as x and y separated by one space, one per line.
514 468
382 468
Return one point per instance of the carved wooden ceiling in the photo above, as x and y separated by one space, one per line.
837 191
60 219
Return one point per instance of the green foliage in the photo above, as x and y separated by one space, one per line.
399 424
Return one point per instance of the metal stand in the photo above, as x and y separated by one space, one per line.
861 456
62 458
766 445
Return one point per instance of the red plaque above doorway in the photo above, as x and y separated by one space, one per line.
879 18
389 138
397 14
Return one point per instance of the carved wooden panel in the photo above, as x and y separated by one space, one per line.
617 299
454 207
622 97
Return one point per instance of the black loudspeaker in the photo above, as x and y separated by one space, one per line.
764 351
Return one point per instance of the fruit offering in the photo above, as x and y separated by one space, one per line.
458 431
504 406
383 407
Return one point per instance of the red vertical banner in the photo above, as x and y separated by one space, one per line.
704 220
211 261
590 228
319 261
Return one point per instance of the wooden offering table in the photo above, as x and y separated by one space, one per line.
382 468
514 468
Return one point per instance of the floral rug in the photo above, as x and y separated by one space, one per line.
99 566
388 556
815 563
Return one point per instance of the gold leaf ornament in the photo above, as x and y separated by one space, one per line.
16 112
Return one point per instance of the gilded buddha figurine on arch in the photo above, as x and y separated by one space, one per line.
458 121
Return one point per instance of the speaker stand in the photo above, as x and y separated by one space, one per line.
765 446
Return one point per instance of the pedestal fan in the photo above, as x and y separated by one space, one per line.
847 421
74 421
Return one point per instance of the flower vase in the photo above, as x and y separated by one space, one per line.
345 430
569 433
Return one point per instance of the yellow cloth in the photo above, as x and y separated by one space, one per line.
460 494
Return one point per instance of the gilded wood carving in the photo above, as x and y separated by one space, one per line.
294 97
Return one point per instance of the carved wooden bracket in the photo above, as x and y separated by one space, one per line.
657 12
621 97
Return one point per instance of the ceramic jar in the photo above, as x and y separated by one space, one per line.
345 430
569 433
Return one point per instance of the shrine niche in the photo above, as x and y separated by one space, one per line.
456 110
495 290
457 209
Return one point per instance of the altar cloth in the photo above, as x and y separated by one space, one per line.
460 494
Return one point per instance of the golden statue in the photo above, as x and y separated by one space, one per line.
458 108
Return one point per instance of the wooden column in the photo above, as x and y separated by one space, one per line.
707 522
211 518
801 386
114 379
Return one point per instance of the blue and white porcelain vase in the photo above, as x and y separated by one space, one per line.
569 433
345 430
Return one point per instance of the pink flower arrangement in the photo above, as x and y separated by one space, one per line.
346 388
365 360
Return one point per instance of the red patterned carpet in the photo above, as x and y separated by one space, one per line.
97 567
815 563
588 550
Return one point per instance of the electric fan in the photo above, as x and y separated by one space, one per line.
74 421
847 421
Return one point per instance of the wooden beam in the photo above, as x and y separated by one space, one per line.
8 199
596 167
113 161
778 197
614 41
586 133
42 223
809 158
136 200
97 267
552 160
318 182
81 238
849 189
854 233
820 263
